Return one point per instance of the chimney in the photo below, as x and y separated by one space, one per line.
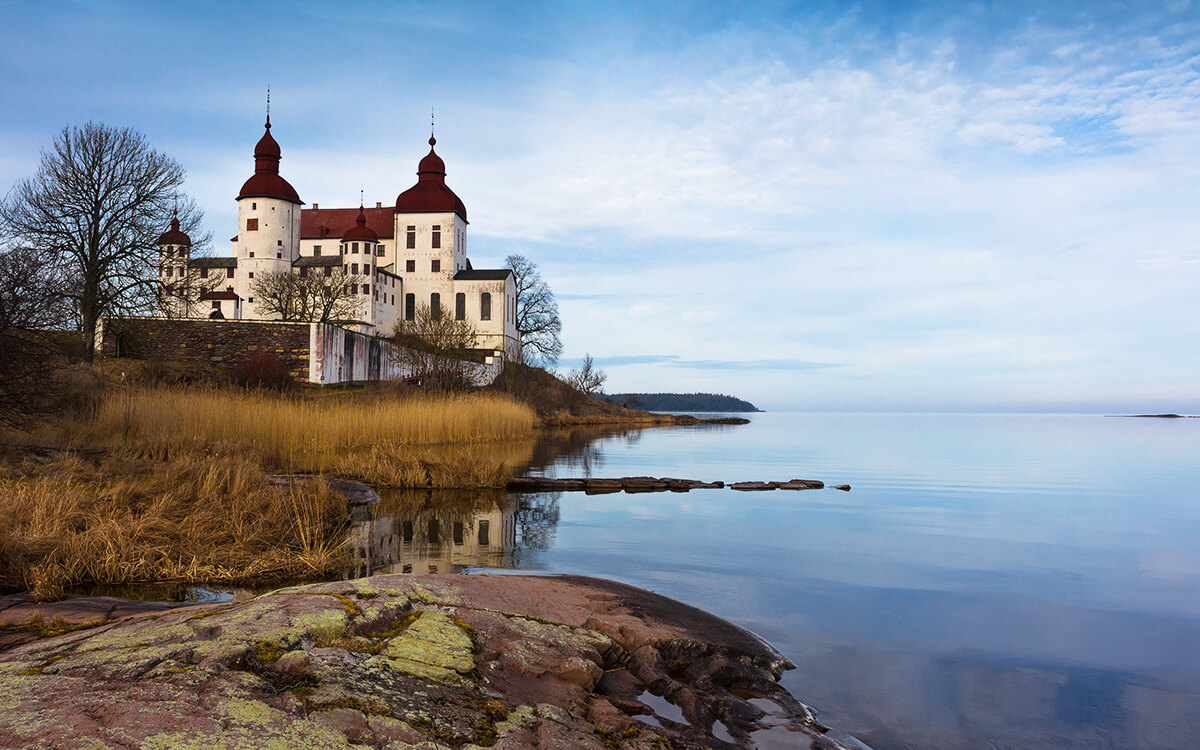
378 204
315 206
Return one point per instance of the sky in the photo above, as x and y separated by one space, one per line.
814 206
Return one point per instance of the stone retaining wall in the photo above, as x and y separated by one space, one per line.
223 341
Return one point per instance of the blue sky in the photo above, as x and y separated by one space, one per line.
812 206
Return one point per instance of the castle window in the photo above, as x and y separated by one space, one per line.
367 268
366 289
231 273
460 306
353 268
253 206
204 273
169 271
410 266
354 288
458 532
251 299
278 243
251 253
485 306
379 252
181 272
484 528
437 236
435 305
393 299
251 225
354 247
252 274
435 265
410 306
328 270
411 237
316 251
278 255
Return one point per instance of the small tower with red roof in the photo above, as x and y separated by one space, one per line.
174 254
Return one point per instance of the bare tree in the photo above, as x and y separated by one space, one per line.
588 379
31 356
538 324
439 349
312 297
93 213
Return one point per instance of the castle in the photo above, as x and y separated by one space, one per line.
396 261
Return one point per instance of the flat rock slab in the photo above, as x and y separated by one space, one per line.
403 662
753 486
355 492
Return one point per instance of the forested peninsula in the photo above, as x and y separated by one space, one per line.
682 402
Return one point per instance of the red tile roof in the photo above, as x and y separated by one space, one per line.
218 295
332 223
430 194
266 182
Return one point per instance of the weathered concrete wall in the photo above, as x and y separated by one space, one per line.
223 341
342 356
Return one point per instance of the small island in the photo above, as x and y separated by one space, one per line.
709 402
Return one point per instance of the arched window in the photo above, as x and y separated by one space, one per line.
485 306
435 305
410 306
460 306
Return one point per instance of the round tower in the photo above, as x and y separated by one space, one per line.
359 249
174 253
268 239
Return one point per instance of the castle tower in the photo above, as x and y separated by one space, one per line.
174 275
268 238
359 250
431 235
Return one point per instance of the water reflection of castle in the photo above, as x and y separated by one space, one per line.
447 533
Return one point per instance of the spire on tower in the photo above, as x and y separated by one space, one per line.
268 105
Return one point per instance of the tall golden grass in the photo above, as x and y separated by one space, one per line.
194 520
414 441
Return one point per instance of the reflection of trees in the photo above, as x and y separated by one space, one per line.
537 520
576 449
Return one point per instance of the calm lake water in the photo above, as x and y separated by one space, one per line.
991 581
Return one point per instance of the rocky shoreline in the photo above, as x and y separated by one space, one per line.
599 485
400 661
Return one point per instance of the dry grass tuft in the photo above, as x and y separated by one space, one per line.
189 520
455 440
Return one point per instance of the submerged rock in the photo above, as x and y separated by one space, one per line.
405 661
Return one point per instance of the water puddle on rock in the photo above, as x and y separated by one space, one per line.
721 732
662 708
775 732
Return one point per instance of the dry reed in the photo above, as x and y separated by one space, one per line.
188 520
415 441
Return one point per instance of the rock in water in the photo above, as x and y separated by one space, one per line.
399 661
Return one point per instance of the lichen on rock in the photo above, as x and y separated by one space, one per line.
399 662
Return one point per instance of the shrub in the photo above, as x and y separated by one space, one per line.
262 370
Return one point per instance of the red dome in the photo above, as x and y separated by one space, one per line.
174 236
360 230
430 194
266 182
